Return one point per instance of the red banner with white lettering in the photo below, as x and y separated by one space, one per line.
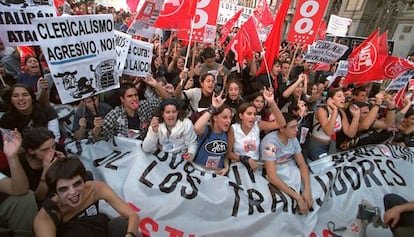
176 14
205 19
306 21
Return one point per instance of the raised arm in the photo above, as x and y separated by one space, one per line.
269 97
373 112
203 121
351 129
292 87
18 184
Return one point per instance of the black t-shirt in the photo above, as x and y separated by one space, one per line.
40 117
133 122
205 101
32 174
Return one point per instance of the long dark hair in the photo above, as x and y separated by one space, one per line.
38 117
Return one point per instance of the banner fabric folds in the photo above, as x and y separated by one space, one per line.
176 198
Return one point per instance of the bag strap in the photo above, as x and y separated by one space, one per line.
189 104
204 141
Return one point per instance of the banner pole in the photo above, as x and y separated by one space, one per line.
189 44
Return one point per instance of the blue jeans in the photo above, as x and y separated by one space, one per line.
315 148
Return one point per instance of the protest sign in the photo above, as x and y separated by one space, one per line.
138 61
325 52
341 69
338 26
178 198
401 81
80 52
122 43
143 24
16 21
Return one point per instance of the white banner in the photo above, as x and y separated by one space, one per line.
16 28
338 26
138 61
325 52
401 81
227 11
122 43
175 198
80 52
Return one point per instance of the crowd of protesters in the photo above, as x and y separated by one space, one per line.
290 114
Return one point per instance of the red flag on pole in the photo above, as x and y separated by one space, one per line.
272 43
245 41
132 5
262 13
176 14
394 66
399 98
321 35
365 62
226 29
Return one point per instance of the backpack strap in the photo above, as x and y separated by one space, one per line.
189 104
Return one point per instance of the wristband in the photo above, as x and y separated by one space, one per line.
212 110
391 109
379 105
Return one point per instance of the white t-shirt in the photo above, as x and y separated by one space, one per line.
247 144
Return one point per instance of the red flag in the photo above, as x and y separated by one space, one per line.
394 66
321 35
176 16
262 13
226 29
250 35
132 5
245 42
205 21
364 61
383 47
399 98
58 3
25 51
272 43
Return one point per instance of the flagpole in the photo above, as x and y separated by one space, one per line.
189 43
293 59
